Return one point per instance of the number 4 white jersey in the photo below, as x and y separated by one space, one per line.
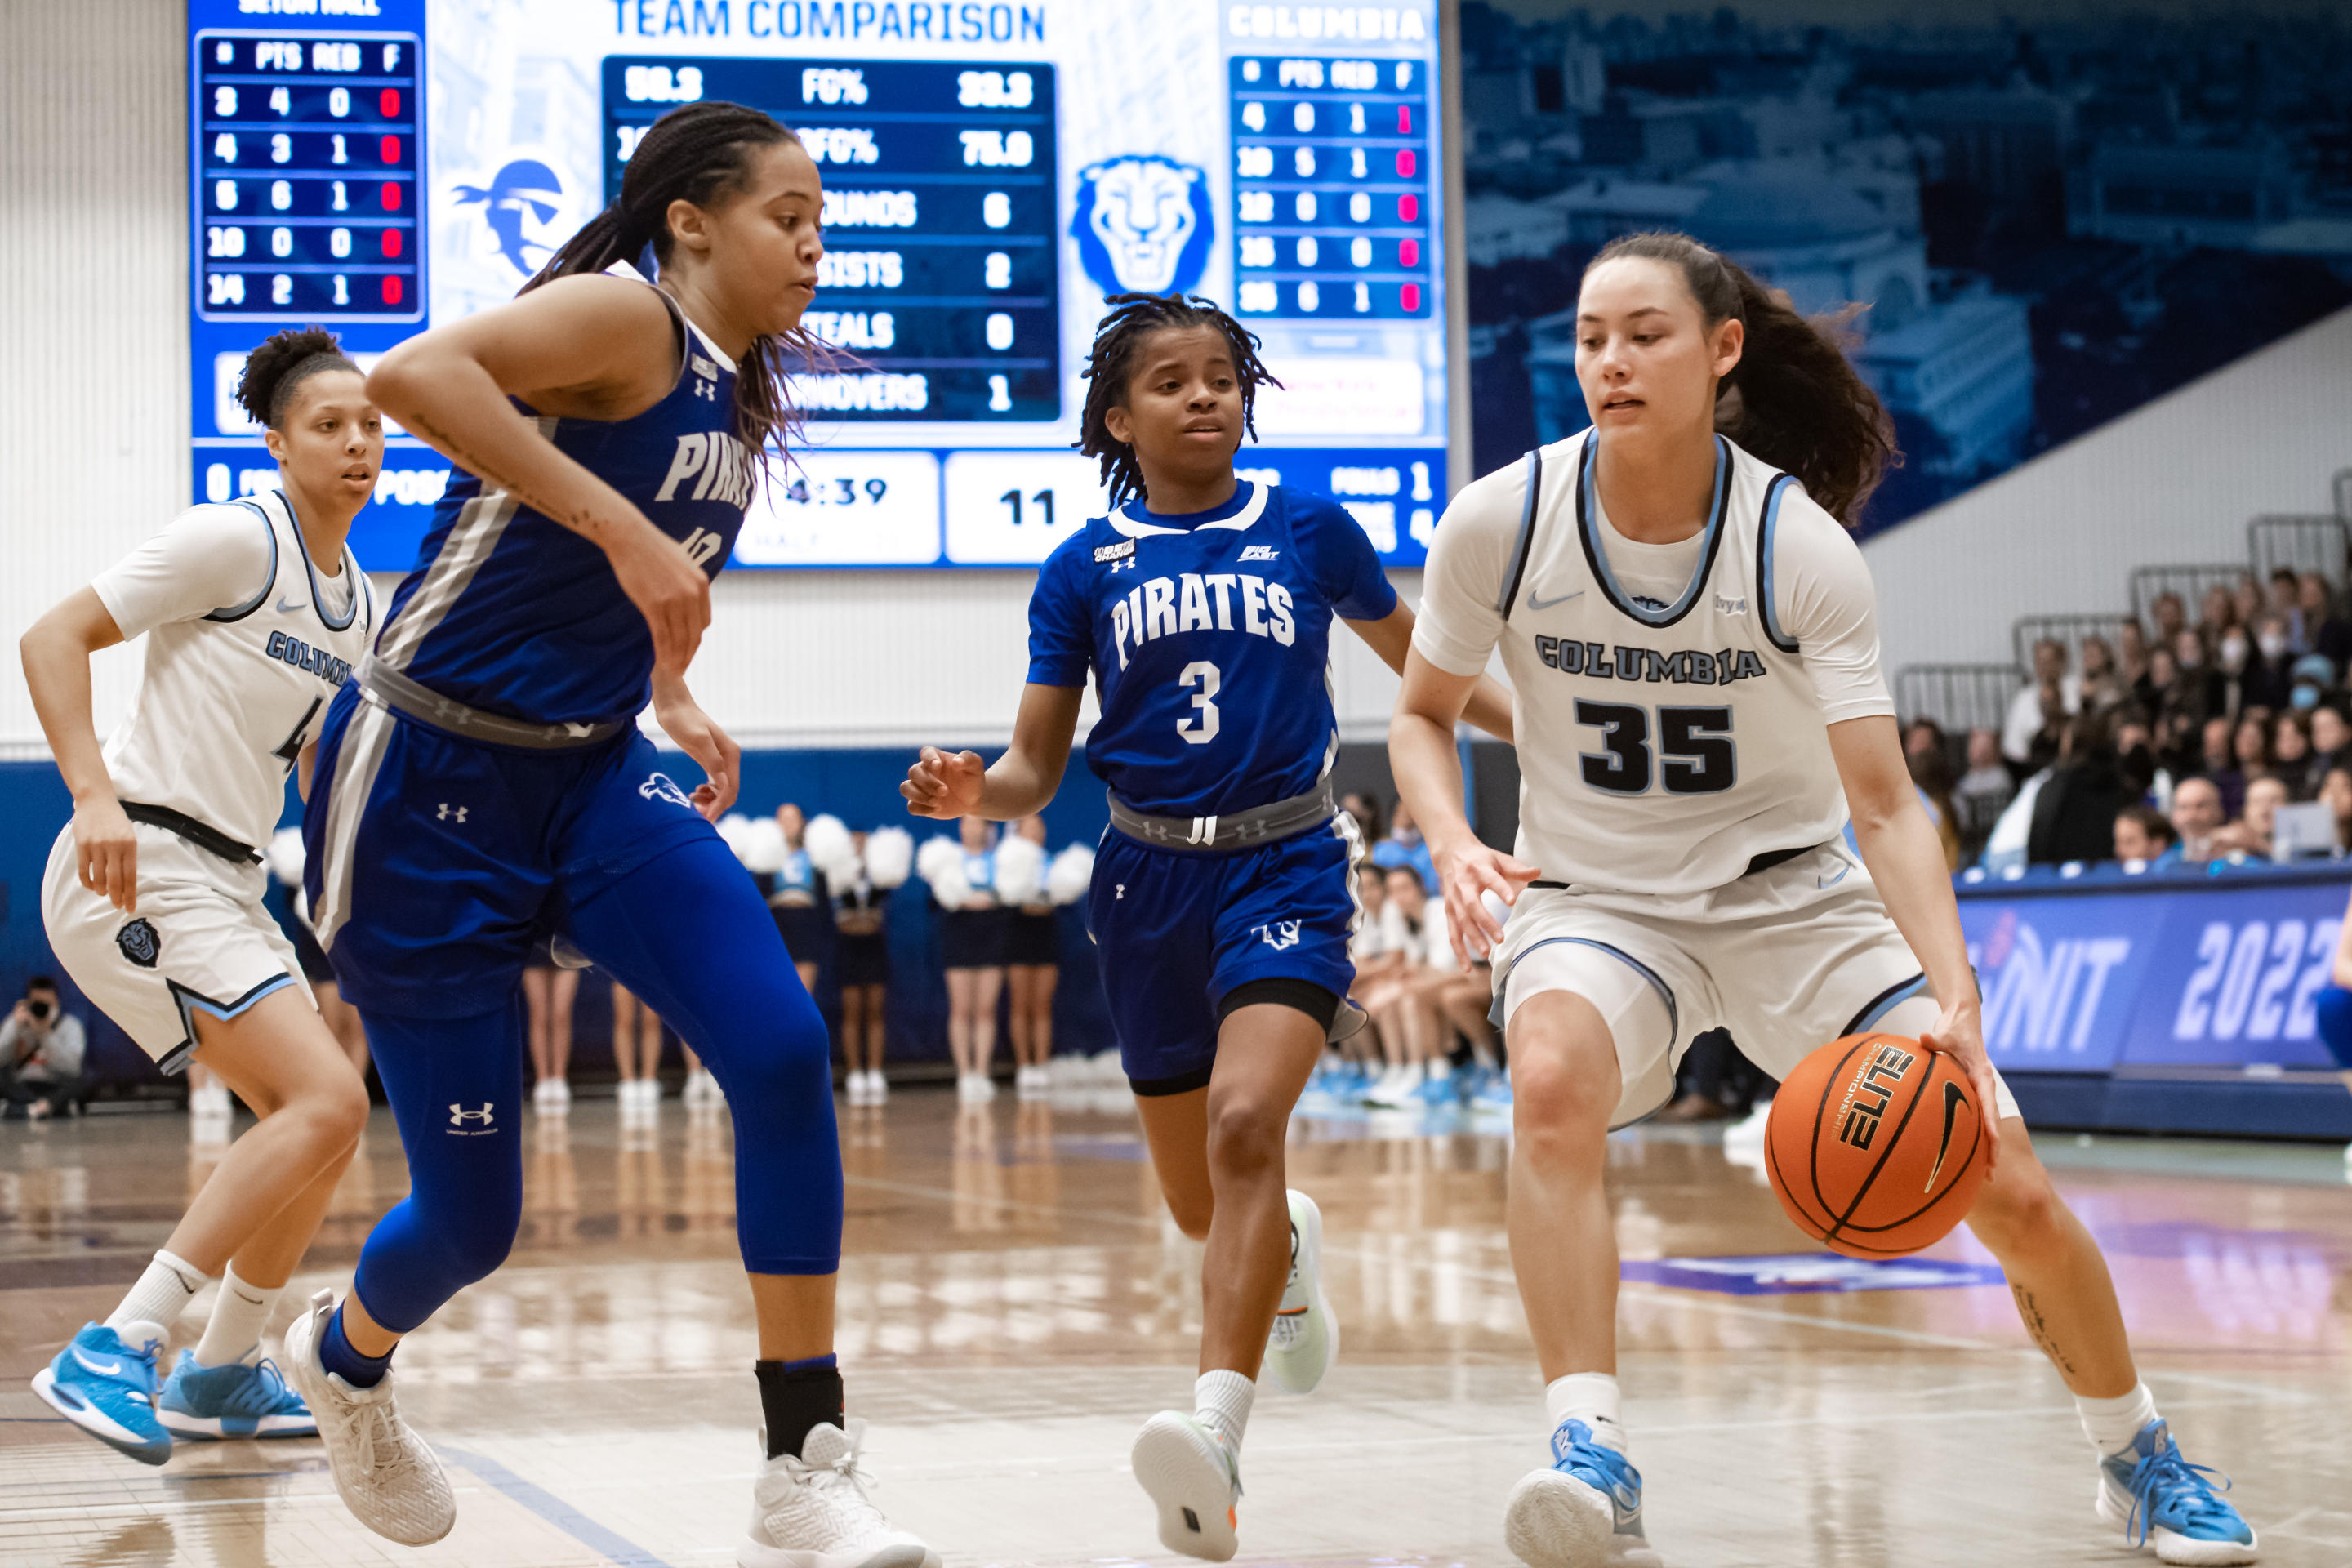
246 642
1671 701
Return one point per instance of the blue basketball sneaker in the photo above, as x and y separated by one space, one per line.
210 1403
106 1387
1582 1510
2165 1503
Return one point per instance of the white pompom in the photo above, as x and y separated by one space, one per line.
1020 870
829 849
735 829
285 856
938 851
1072 874
763 849
940 862
889 857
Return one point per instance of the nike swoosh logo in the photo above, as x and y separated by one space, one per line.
286 609
103 1368
1953 1100
1536 604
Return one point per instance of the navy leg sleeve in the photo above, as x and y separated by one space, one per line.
456 1087
2335 1004
689 933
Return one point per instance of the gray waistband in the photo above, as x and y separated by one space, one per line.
1238 830
390 689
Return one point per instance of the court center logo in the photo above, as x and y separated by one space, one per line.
1143 223
139 942
661 786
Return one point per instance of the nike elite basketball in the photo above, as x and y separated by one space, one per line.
1875 1146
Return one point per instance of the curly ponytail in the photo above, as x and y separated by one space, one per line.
698 152
1801 406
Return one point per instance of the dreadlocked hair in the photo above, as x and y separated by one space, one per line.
284 362
1799 404
1119 337
700 154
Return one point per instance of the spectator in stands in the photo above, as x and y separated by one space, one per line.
2220 765
1403 846
2171 617
2158 689
2324 631
2142 834
1983 793
2074 814
2131 657
2292 758
2030 712
2217 614
2250 746
2336 794
2330 736
2311 679
2269 675
2247 599
1929 757
2200 689
2135 747
2249 838
2197 816
2102 685
2286 602
2177 745
41 1051
1367 813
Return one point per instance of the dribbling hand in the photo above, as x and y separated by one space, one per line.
699 737
109 852
668 589
1466 871
1959 1035
944 787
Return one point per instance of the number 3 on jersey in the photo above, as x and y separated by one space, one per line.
1202 728
1699 756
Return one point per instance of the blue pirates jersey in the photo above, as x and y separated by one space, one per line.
509 611
1209 638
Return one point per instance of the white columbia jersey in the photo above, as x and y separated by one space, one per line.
247 643
1671 701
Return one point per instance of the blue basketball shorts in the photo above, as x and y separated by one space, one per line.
1175 931
435 863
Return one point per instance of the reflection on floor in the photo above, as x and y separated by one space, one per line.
1013 1304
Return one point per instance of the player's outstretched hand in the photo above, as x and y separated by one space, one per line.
109 852
1466 871
1959 1035
944 787
667 588
699 737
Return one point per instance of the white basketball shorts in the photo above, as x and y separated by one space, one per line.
201 941
1788 959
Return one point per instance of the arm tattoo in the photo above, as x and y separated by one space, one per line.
582 522
2035 1324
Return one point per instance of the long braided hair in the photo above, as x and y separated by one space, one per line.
1118 337
698 152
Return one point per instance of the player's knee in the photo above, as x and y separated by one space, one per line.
337 1112
2019 1213
1559 1112
775 1056
478 1247
1245 1135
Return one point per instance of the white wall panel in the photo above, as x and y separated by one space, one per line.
2174 482
93 291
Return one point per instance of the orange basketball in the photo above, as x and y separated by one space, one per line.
1875 1146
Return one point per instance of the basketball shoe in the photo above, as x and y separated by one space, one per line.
384 1472
1196 1481
210 1403
812 1511
2165 1504
104 1383
1306 1338
1582 1510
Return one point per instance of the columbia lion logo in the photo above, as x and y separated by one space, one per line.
460 1116
139 942
1143 223
661 786
1279 935
1725 604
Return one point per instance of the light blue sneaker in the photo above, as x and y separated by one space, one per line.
107 1388
210 1403
1446 1091
2165 1503
1582 1510
1494 1093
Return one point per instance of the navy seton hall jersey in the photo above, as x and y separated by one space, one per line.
1209 636
509 611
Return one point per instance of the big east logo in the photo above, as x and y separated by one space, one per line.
1868 1101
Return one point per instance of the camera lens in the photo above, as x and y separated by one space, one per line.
36 1007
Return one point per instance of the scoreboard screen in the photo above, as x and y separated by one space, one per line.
993 170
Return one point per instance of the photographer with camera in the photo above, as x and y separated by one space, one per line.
41 1048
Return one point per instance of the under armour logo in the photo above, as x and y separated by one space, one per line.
448 813
1258 553
661 786
1278 934
459 1115
1727 606
1127 565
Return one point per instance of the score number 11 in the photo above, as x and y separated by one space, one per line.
1042 499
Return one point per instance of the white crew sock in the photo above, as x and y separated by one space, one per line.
2111 1423
233 1333
1440 1069
162 1293
1221 1401
1590 1397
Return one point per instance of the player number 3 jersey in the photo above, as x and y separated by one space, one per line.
1671 701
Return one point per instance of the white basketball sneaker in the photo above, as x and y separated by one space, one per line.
1194 1481
1306 1338
386 1475
812 1512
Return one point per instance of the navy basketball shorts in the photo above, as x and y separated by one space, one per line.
1175 931
437 863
